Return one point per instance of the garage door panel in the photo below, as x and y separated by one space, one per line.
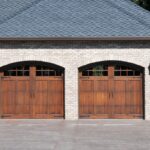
49 97
101 97
138 97
55 97
41 109
134 96
119 97
8 97
32 93
40 93
86 97
130 97
22 97
15 98
22 109
40 101
55 86
87 104
26 109
55 109
113 91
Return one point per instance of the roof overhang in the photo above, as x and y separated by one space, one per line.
75 38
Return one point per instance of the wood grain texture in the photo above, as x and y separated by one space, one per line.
32 97
111 96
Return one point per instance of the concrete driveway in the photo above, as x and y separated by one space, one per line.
74 135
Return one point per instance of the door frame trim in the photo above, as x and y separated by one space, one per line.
113 62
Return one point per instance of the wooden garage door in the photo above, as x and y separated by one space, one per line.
111 91
32 92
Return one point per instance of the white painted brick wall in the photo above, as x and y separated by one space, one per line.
72 59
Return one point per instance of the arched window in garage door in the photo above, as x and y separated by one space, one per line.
31 90
111 90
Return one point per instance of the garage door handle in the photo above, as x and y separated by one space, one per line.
112 94
31 94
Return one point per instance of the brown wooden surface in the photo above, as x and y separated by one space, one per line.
32 96
111 96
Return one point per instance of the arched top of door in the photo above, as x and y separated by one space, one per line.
24 68
120 68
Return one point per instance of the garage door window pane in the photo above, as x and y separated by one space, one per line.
17 71
99 70
47 71
126 71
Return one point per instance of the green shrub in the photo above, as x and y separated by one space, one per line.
144 3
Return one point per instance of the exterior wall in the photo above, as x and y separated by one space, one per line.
73 58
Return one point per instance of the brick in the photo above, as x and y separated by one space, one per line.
71 59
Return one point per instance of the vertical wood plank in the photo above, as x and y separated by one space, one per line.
124 98
32 89
1 100
111 90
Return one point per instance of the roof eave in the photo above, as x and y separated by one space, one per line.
75 38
